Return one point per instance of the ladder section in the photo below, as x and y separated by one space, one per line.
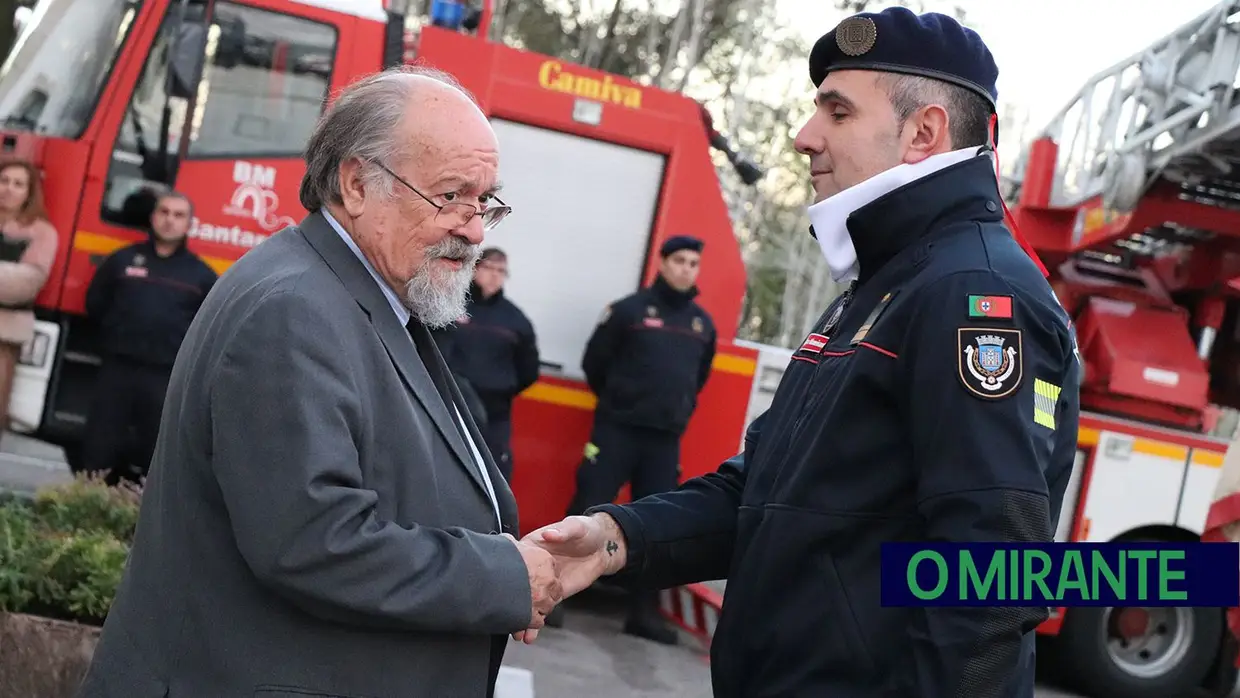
1169 110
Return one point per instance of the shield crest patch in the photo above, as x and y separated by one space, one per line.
991 361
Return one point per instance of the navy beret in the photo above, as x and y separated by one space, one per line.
678 243
896 40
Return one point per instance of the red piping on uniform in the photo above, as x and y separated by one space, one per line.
838 353
1007 215
880 350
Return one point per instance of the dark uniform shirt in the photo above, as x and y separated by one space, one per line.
145 303
649 358
494 348
931 411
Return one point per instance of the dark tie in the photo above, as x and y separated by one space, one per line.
423 342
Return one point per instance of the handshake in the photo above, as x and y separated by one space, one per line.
564 558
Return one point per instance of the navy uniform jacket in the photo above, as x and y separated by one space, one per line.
145 303
649 357
918 422
494 348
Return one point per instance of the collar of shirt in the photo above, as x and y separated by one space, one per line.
402 313
829 218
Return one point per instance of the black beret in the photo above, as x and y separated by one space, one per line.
678 243
896 40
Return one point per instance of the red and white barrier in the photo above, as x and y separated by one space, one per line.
694 607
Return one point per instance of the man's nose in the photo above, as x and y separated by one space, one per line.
807 142
472 231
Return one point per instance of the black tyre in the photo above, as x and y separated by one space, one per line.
1139 652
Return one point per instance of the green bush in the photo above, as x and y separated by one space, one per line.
62 553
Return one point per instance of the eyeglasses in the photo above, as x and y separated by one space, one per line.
456 214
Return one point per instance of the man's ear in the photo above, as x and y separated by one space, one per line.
352 187
929 133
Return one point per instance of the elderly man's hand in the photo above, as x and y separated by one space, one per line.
545 587
584 548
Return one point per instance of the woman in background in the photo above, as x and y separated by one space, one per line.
28 245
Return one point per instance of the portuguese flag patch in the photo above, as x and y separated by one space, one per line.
990 306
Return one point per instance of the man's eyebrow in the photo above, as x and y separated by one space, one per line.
833 96
459 182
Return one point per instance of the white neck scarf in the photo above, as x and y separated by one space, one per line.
830 216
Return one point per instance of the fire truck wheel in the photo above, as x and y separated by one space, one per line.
1140 652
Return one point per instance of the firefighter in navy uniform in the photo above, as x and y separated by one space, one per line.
647 361
494 349
143 299
936 400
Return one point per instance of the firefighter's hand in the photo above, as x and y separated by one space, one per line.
584 548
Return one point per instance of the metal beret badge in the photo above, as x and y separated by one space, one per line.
856 35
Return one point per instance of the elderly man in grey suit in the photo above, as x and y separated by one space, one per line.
322 516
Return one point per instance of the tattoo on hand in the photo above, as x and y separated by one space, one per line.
612 547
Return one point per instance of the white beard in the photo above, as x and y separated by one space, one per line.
437 298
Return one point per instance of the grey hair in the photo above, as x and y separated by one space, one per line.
968 113
362 123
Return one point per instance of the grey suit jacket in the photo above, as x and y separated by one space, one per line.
313 524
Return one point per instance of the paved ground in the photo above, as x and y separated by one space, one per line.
588 657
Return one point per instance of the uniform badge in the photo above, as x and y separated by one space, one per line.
873 317
463 320
814 343
992 307
652 311
990 360
697 325
834 319
137 272
139 260
856 35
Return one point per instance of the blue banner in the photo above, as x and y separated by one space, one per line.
1061 574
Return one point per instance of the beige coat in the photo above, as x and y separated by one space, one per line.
21 282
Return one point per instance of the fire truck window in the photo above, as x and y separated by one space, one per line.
266 79
137 170
552 178
55 73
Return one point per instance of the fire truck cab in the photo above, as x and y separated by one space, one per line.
115 99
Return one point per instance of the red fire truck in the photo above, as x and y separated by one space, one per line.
218 97
1129 195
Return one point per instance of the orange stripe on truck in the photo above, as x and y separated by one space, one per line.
94 243
582 398
1207 459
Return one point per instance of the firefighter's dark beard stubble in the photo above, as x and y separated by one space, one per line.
436 294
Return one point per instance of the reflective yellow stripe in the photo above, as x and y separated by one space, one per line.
1045 397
